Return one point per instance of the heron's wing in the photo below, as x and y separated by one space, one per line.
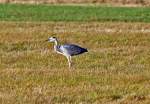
73 49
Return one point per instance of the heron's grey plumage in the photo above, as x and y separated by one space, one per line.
73 50
67 50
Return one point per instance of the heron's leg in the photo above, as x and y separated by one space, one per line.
69 61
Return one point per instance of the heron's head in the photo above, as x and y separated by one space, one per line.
52 39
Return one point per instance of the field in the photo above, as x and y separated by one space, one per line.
67 13
116 70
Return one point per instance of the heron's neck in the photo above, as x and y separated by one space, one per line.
55 45
56 42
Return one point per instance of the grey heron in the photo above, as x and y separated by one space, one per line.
68 50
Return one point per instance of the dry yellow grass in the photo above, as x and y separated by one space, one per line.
110 2
115 71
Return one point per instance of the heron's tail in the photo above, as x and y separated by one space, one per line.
86 50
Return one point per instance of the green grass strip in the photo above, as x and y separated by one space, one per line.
19 12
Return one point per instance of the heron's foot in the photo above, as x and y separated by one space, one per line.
70 65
